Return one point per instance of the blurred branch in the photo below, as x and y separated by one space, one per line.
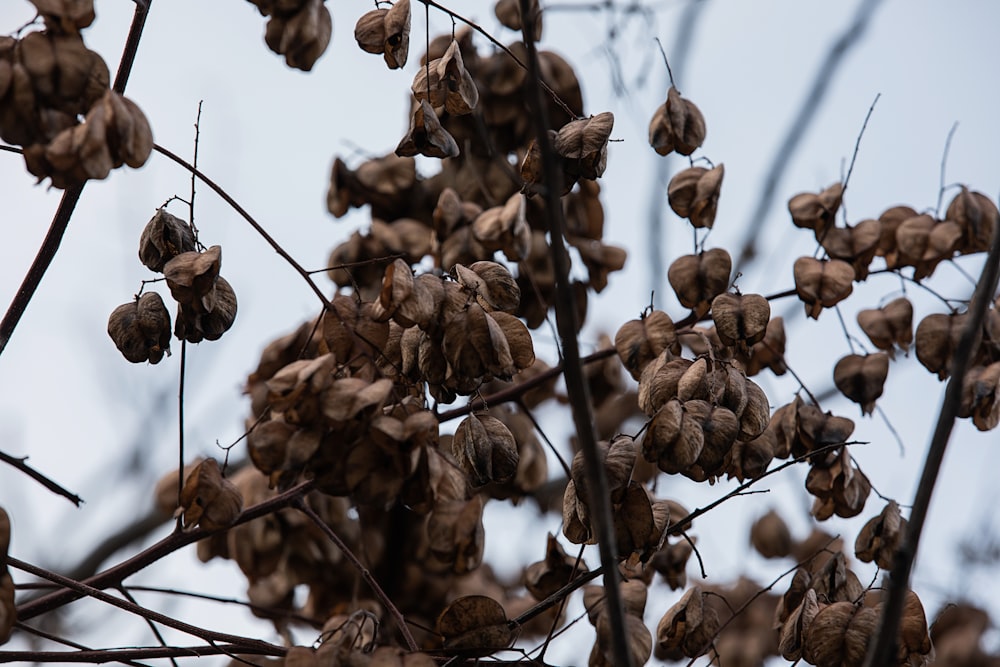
71 196
567 322
835 57
19 463
884 648
126 655
115 575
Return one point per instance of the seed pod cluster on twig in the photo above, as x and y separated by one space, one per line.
299 30
55 101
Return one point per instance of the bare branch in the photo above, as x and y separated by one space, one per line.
55 488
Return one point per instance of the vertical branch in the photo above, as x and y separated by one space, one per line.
180 428
567 320
884 649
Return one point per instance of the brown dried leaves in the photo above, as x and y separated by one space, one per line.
209 500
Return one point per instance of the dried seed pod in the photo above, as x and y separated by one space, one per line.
839 635
583 144
495 288
694 194
889 326
798 620
163 238
740 319
816 211
937 337
209 500
141 329
475 625
915 646
880 537
369 31
750 459
301 37
65 16
674 439
545 577
426 136
822 283
977 216
770 536
861 378
638 342
890 219
191 277
688 627
769 352
697 279
857 244
677 125
922 242
446 83
485 448
981 396
455 534
397 34
194 325
659 381
508 12
671 562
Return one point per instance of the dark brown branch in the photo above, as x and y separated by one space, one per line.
246 216
62 640
567 323
884 648
149 614
848 39
115 575
19 463
97 656
393 610
60 221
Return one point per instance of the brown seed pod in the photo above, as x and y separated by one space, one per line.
659 381
141 329
770 536
194 325
209 500
369 31
861 378
981 396
857 244
880 537
816 211
545 577
65 16
163 238
936 338
426 136
638 342
688 627
694 194
822 283
977 216
508 12
301 37
923 242
697 279
839 635
740 319
485 448
445 83
583 145
677 125
475 625
889 326
671 562
796 625
455 534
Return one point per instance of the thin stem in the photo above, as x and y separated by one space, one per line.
57 640
180 425
857 143
114 576
944 167
666 62
884 648
19 463
89 591
246 216
567 320
152 626
129 655
387 602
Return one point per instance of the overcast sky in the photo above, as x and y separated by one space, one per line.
269 134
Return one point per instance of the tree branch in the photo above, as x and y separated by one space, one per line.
884 649
55 488
567 323
125 655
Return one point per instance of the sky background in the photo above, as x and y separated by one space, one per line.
106 429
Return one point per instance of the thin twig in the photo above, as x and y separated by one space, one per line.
701 563
825 76
19 463
857 143
386 601
152 626
944 166
59 640
180 427
128 655
884 648
246 216
113 576
89 591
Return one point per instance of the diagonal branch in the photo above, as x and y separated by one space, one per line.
19 463
885 647
848 39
